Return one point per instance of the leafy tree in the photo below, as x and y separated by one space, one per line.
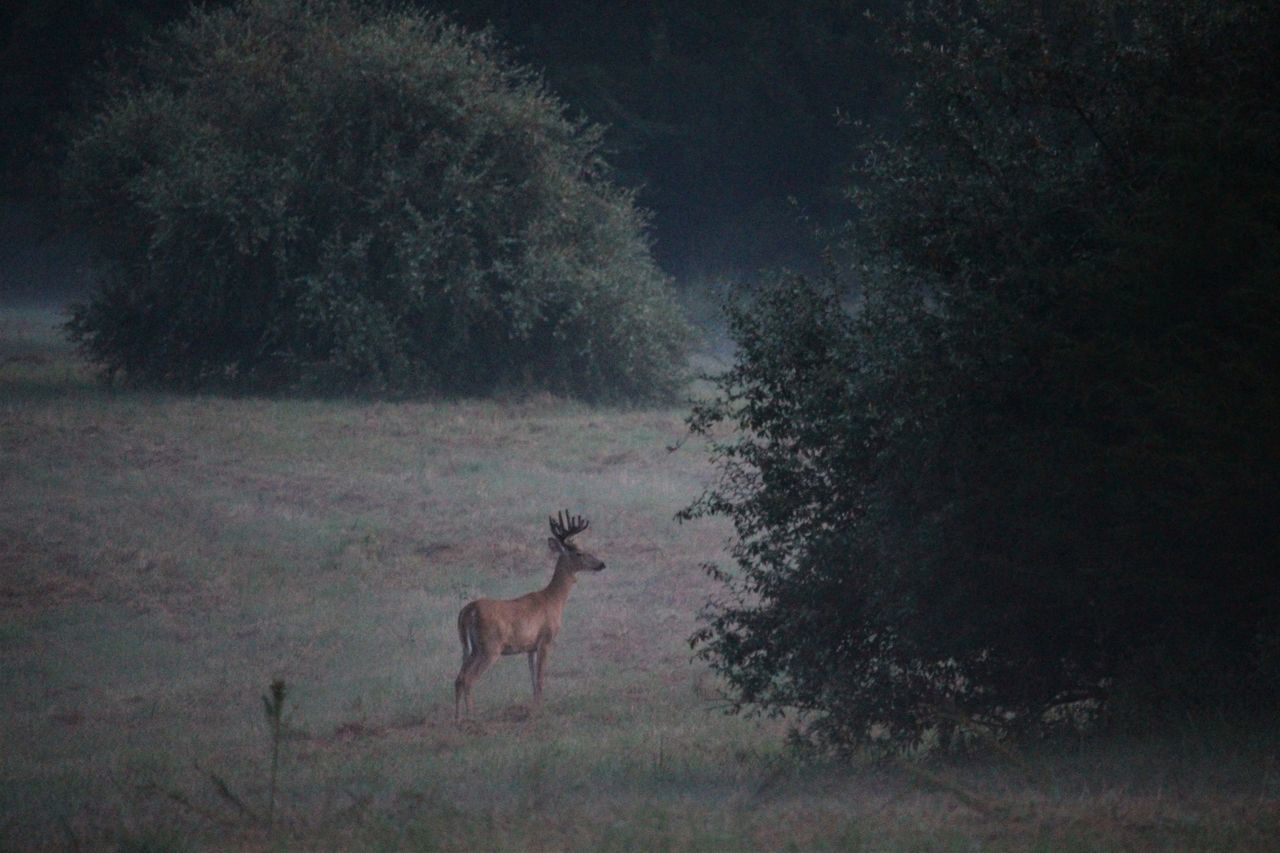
724 115
1030 468
310 194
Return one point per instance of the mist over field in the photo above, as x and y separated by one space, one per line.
914 366
40 264
166 557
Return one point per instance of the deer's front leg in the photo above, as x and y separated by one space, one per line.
537 668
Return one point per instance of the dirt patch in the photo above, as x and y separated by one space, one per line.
37 576
70 719
515 714
40 575
356 730
626 457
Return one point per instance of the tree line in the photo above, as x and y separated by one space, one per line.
727 119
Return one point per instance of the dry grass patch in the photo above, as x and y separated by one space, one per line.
163 558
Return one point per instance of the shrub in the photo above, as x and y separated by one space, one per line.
316 195
1030 467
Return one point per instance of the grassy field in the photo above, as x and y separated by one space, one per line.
164 558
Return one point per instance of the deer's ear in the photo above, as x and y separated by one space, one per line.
556 546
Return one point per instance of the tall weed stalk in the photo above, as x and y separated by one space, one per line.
273 707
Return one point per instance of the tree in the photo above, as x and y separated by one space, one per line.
315 195
1026 471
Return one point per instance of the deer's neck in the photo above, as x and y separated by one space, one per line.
561 582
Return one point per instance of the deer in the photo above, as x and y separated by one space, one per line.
489 628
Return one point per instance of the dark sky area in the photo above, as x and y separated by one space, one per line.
723 115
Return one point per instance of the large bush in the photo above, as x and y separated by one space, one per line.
1030 469
316 195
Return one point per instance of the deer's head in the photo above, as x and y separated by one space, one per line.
569 557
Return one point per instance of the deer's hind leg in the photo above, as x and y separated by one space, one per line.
472 668
461 688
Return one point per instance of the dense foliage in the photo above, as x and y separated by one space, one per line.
307 194
1029 468
722 114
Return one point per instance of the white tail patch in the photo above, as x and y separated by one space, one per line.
469 634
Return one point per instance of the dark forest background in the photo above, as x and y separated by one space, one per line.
733 120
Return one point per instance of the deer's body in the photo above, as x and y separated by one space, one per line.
489 628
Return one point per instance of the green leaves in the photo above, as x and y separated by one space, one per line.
325 197
1030 449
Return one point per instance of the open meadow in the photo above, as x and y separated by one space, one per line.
164 558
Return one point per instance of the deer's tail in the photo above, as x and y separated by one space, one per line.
467 630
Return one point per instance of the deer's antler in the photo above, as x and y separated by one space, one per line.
563 530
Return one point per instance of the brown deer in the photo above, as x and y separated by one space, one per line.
488 627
